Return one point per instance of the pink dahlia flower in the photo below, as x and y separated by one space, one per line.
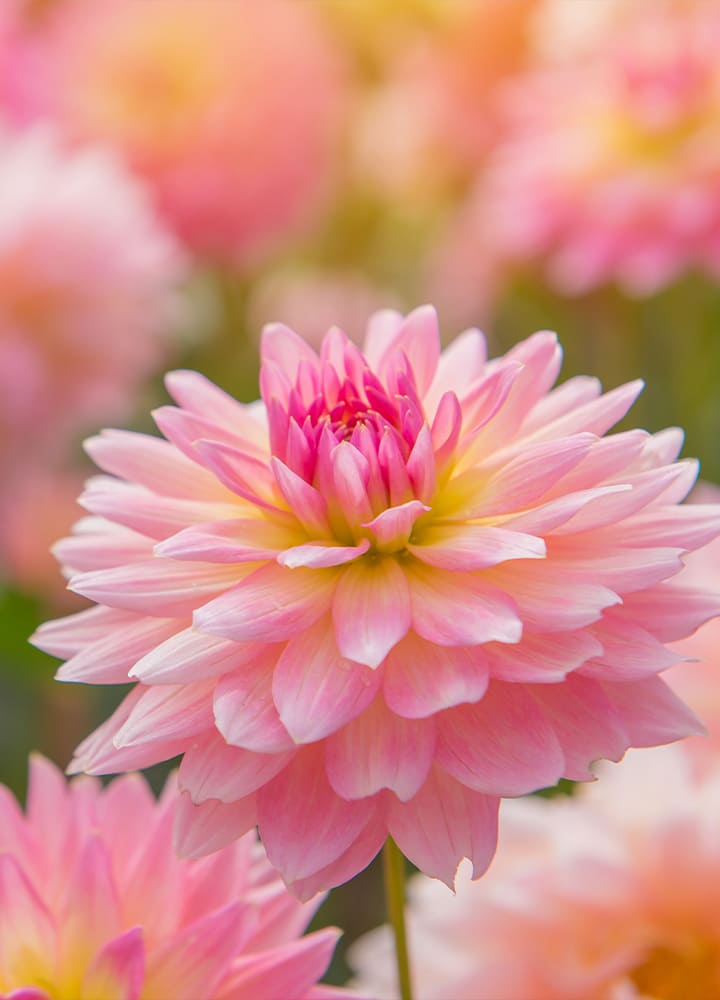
228 110
94 905
610 169
87 289
402 585
611 895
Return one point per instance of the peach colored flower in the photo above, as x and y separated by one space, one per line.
94 905
87 288
402 585
610 167
611 895
228 110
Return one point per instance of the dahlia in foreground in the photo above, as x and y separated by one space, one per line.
611 895
95 906
402 585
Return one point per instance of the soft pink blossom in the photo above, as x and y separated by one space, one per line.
610 166
87 289
94 905
400 586
611 895
228 110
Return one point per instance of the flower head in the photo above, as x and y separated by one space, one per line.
88 280
94 905
402 585
609 169
611 895
229 111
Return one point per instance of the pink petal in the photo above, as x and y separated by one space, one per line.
525 478
170 712
351 474
357 857
272 604
459 365
97 753
303 824
194 961
91 911
149 513
652 713
211 769
190 656
596 416
315 689
26 927
98 544
380 750
418 338
242 473
236 540
109 660
586 722
458 609
422 678
160 587
151 462
285 971
628 652
392 527
65 637
444 823
544 658
316 555
245 713
196 393
421 466
669 610
371 610
118 970
502 745
306 503
282 346
184 428
208 827
540 591
474 546
382 328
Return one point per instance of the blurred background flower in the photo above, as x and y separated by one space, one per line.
610 895
176 173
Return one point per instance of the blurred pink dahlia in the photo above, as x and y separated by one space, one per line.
402 585
610 168
94 905
88 279
228 110
611 895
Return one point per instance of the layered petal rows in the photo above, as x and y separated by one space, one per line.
404 584
95 906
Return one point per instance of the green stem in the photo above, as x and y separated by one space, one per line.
394 868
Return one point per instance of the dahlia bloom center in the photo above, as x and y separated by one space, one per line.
362 443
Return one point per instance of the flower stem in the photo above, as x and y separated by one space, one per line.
394 868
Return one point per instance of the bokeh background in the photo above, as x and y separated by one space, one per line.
175 173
